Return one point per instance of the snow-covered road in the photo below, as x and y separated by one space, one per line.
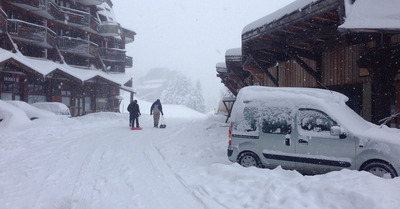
96 162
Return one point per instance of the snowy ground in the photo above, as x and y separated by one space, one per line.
96 162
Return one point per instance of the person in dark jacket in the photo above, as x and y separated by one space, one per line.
155 110
134 113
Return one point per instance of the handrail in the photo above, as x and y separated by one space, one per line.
3 20
28 23
3 13
26 30
79 40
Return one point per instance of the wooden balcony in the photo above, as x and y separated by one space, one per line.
109 29
33 3
112 55
91 2
75 17
83 47
29 32
128 62
129 35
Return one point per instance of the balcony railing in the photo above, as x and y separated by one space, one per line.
110 54
129 36
128 62
109 28
33 3
53 9
91 2
3 21
76 16
78 46
66 14
31 32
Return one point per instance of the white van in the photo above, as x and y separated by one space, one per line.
309 130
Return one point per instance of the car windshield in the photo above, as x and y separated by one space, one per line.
347 117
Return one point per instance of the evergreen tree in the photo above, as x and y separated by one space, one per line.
181 91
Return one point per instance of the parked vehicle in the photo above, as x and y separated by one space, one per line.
312 131
55 107
31 112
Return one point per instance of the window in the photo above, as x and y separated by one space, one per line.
35 88
66 101
314 120
36 98
88 104
248 123
276 120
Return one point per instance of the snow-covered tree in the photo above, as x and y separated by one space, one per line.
180 90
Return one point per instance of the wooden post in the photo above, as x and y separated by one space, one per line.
367 101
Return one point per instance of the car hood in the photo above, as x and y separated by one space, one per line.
378 134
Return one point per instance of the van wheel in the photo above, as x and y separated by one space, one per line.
381 169
248 159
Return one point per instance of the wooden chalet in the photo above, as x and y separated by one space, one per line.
223 73
69 51
323 44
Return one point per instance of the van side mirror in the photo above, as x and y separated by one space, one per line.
338 131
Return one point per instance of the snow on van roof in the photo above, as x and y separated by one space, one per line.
259 93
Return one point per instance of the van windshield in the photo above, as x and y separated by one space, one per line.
343 114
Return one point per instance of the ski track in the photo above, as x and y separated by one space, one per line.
96 167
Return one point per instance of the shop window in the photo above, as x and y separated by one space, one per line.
36 98
88 104
65 93
66 101
6 96
35 89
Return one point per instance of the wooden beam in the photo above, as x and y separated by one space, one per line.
270 76
304 65
282 41
304 53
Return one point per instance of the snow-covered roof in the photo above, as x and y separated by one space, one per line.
45 67
290 8
362 14
234 52
371 14
221 67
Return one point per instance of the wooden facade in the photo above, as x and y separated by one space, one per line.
307 48
84 46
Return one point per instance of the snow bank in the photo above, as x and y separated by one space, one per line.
13 118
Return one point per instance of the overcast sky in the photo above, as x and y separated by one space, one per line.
188 35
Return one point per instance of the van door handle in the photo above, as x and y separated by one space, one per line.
287 141
302 141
